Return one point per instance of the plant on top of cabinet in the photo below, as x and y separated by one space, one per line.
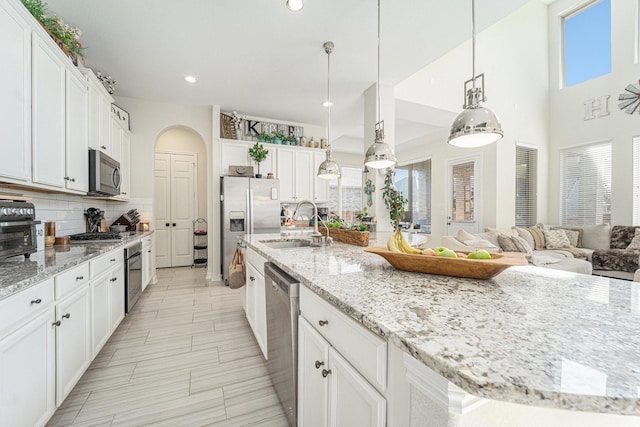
259 154
278 137
265 137
65 36
288 140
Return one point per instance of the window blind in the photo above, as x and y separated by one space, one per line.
585 184
636 180
526 186
414 181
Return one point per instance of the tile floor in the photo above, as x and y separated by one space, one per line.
185 356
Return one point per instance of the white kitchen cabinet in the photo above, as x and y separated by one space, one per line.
77 132
116 139
48 115
125 165
99 115
321 185
73 340
100 312
15 87
147 256
236 153
256 306
295 174
331 391
117 293
27 357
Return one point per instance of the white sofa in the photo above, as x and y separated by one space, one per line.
597 238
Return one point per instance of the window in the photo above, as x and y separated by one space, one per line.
587 43
345 194
636 180
526 186
585 184
414 181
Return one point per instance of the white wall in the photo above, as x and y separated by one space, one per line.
513 55
567 124
182 140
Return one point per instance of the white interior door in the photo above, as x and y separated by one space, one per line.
182 208
463 194
174 208
162 209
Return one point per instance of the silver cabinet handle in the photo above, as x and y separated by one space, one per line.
318 364
36 301
57 323
124 193
323 322
103 147
113 279
67 316
252 278
79 277
326 372
112 260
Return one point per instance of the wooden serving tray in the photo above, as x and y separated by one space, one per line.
456 267
358 238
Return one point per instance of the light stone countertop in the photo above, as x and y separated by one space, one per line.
18 273
530 335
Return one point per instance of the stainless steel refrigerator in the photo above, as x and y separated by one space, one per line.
247 206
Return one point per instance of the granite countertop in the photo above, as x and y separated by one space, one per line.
530 335
18 273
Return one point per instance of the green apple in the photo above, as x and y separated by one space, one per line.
479 254
440 249
447 253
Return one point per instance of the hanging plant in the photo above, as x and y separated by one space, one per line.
64 34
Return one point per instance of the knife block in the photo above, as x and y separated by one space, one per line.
123 220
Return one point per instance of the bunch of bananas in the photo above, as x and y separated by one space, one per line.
397 243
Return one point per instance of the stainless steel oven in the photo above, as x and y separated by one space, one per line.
17 229
104 174
133 275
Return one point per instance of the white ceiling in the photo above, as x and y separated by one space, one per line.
260 59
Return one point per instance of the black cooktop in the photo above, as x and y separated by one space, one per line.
107 235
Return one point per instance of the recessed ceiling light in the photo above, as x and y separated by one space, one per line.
327 104
295 5
191 79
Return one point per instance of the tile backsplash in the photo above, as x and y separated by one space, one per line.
67 210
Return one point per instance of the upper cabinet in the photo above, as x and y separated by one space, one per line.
48 115
77 159
99 114
236 153
15 102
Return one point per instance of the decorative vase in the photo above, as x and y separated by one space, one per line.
277 140
323 143
297 142
303 141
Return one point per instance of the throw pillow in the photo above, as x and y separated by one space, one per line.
463 235
480 244
573 237
596 236
514 244
538 237
580 231
556 239
526 235
635 242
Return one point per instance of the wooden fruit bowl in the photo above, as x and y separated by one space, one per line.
456 267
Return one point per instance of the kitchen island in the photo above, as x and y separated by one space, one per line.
530 336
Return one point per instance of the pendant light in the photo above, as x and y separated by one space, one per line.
476 125
380 155
294 5
328 169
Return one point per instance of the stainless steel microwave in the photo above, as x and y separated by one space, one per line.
104 174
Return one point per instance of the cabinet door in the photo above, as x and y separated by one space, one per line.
250 284
105 125
234 154
313 357
116 139
304 175
48 116
352 400
27 373
260 325
286 174
15 87
117 293
73 341
146 266
125 165
77 160
100 312
321 185
269 165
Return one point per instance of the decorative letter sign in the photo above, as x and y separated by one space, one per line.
598 107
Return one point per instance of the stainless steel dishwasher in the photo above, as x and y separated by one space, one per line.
282 293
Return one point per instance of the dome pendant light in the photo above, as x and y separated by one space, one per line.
328 169
294 5
380 155
476 125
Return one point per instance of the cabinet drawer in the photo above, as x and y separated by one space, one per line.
103 263
16 309
255 259
71 280
146 241
364 350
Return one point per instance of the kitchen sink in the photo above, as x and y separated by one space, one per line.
287 243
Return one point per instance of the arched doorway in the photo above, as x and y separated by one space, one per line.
180 194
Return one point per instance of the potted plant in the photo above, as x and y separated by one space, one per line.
288 140
259 154
265 137
277 137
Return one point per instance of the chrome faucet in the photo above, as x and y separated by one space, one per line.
316 237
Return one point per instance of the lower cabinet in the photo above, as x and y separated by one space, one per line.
100 312
107 298
73 340
256 305
116 282
147 257
27 372
330 390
